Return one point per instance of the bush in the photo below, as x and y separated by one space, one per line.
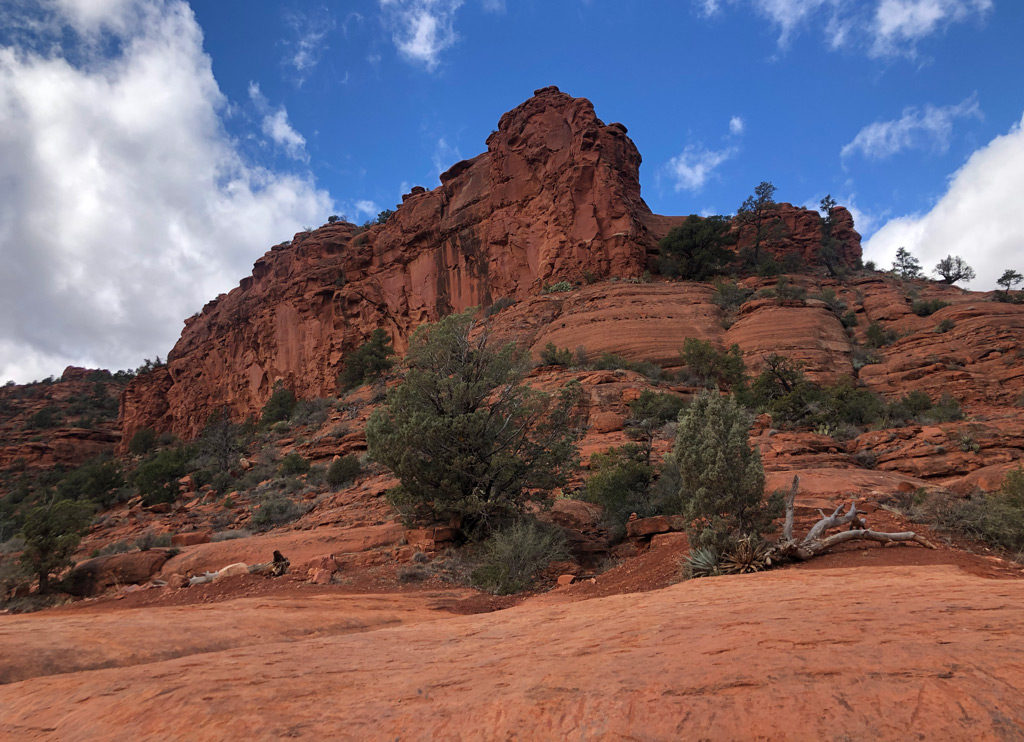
786 290
552 356
97 480
720 478
274 509
656 408
368 362
557 287
729 295
292 464
877 336
713 366
461 449
512 556
279 407
996 518
142 442
945 326
695 250
503 303
48 417
311 412
619 481
923 307
343 471
157 477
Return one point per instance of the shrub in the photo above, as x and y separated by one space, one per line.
142 442
383 216
848 319
552 356
48 417
499 304
311 412
459 448
557 287
292 464
923 307
619 481
656 407
786 290
996 518
720 478
342 471
157 477
695 250
729 295
231 535
279 407
945 326
150 539
512 556
710 365
369 361
274 509
877 336
97 480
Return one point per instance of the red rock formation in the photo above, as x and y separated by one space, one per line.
556 196
78 421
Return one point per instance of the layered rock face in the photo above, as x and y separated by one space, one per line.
59 422
556 196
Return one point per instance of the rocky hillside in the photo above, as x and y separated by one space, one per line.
556 197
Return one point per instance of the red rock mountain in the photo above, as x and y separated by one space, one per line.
556 196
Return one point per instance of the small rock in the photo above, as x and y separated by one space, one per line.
177 581
564 580
320 577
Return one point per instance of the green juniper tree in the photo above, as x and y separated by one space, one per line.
464 435
719 477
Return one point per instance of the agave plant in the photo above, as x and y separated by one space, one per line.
749 555
702 562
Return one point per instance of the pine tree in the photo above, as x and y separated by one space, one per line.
906 266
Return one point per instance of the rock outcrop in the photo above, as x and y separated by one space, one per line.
556 196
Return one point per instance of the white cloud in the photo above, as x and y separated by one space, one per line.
695 164
124 205
931 126
309 39
978 217
422 29
274 124
880 28
494 6
736 126
897 24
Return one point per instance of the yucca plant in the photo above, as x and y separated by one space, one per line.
748 555
701 562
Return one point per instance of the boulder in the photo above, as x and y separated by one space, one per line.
93 576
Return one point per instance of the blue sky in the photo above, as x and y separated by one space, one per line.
150 151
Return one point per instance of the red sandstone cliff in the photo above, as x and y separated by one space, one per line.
555 196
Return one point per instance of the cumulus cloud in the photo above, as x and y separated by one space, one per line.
881 27
694 165
977 218
275 124
422 29
736 126
931 126
124 205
